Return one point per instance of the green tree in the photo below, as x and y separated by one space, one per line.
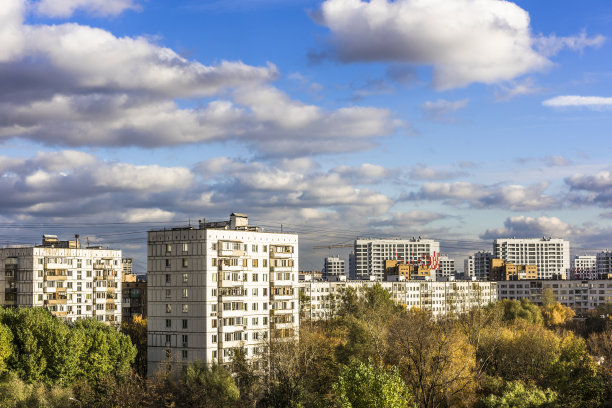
524 309
15 393
361 385
103 350
136 329
518 395
207 387
6 347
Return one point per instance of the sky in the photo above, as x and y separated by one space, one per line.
457 120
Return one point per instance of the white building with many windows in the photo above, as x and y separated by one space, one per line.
604 263
218 287
478 265
446 267
333 266
550 255
584 267
580 295
322 300
370 255
70 281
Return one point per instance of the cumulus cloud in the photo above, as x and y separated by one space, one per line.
512 89
75 85
512 197
422 172
441 110
65 8
591 189
586 238
590 102
465 41
529 227
365 174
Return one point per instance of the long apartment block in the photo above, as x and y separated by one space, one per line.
220 286
550 255
322 300
580 295
70 281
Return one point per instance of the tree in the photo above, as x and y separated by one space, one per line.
207 386
15 393
600 346
6 347
524 309
136 329
362 385
517 395
555 314
435 359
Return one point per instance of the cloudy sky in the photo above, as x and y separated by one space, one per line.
459 120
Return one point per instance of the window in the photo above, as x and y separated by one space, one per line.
168 248
214 246
185 278
254 248
185 262
214 262
254 306
185 323
255 321
265 305
265 320
245 262
213 323
265 263
185 340
167 263
185 354
168 308
255 291
255 263
214 338
185 308
168 323
255 277
265 291
168 279
168 293
214 354
185 292
185 247
265 248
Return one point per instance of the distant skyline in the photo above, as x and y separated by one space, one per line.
457 120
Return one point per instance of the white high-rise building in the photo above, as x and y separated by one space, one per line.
218 287
371 254
551 255
70 281
446 267
478 265
334 266
584 267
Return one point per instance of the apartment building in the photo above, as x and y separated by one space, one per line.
370 255
604 264
70 281
580 295
220 286
478 265
322 300
446 267
501 271
584 267
134 291
333 266
550 255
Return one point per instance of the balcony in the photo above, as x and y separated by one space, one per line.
230 253
60 314
101 266
55 277
55 301
60 290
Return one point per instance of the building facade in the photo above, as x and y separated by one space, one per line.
218 287
478 265
580 295
134 290
584 267
604 264
333 266
550 255
446 267
370 255
70 281
322 300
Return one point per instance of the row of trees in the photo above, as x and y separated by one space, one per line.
373 354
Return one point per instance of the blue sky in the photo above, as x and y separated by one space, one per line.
460 120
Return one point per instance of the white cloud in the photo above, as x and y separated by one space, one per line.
529 227
147 215
65 8
465 41
513 89
591 102
441 110
512 197
75 85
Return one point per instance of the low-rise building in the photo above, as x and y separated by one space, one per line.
502 271
322 300
134 300
580 295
